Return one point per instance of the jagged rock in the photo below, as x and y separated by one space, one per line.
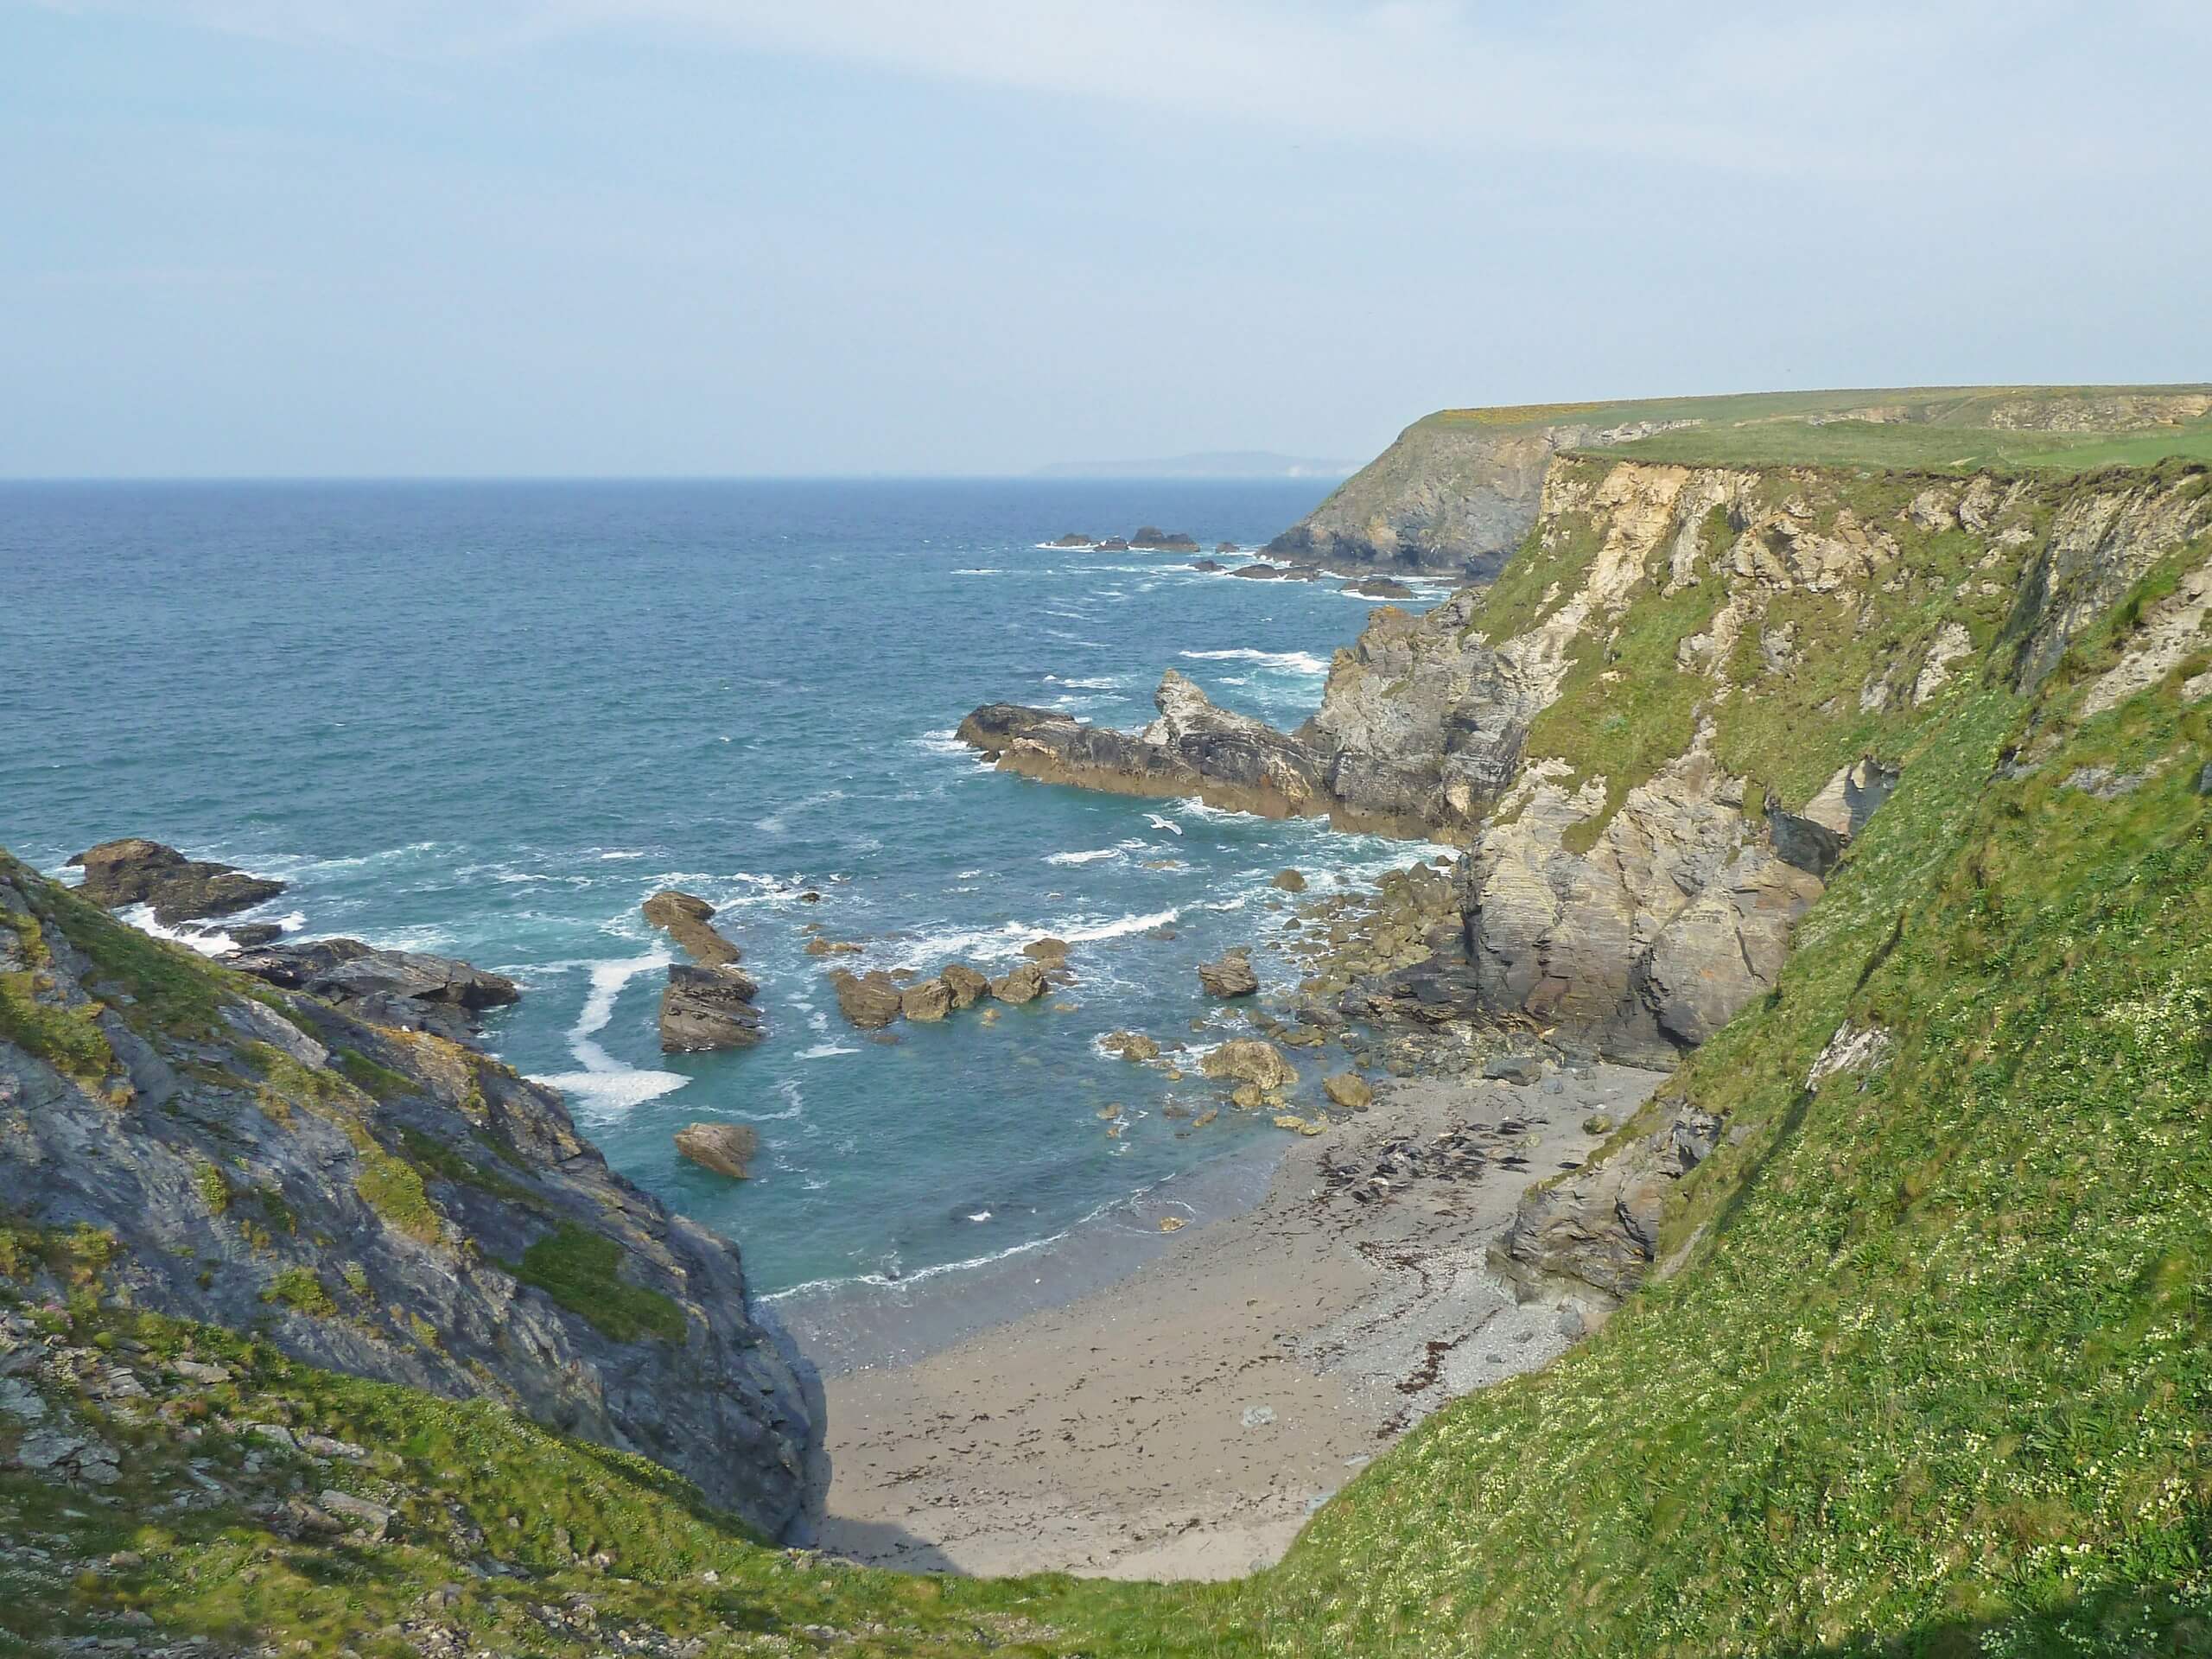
1133 1046
870 1002
726 1148
1023 984
1230 975
1288 881
926 1001
406 988
1153 540
682 1371
1600 1224
1250 1059
1194 748
965 983
688 919
1350 1091
135 871
703 1010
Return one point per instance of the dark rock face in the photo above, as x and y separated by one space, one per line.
1113 545
1072 539
1212 567
405 988
1260 572
1153 540
726 1148
703 1010
138 872
385 1203
1194 748
1379 587
688 920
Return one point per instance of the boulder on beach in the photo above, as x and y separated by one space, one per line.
1023 984
870 1002
1230 975
705 1010
1350 1091
1521 1069
135 871
688 919
726 1148
926 1001
966 985
1253 1060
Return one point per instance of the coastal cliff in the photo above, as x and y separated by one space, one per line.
374 1200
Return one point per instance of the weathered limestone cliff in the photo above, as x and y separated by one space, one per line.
375 1200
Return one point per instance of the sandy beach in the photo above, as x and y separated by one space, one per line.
1185 1421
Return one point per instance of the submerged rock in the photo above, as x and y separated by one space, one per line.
703 1010
135 871
726 1148
1133 1046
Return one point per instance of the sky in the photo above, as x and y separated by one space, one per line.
704 238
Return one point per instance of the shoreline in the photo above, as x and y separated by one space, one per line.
1184 1419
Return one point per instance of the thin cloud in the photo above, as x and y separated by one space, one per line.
1749 87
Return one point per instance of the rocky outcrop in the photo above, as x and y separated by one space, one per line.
1250 1060
375 1200
406 988
1230 975
1379 587
688 920
1023 983
869 1001
118 874
1193 749
1600 1226
966 985
726 1148
707 1010
1152 539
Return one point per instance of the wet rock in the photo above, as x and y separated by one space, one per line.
926 1001
1072 539
1230 975
1023 984
1379 587
726 1148
1250 1059
870 1002
703 1010
1260 572
689 920
964 982
1114 544
822 946
1288 881
1152 539
135 871
1212 567
406 988
1133 1046
1048 951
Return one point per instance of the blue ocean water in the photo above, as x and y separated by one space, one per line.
486 719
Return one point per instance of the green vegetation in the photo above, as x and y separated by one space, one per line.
213 1189
370 1078
582 1269
300 1288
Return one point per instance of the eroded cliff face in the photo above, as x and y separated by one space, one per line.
378 1201
1663 725
1455 493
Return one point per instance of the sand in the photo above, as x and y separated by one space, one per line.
1186 1421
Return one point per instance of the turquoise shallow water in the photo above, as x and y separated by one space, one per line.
487 720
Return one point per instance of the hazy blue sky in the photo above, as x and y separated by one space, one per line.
716 236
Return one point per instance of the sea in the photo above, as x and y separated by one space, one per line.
486 719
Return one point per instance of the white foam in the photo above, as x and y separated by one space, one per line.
605 1085
1004 943
1282 662
1091 857
1100 683
207 945
823 1050
986 571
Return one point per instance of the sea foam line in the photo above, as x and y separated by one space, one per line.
1285 662
606 1084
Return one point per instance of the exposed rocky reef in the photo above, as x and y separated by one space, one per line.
375 1199
136 870
407 989
707 1005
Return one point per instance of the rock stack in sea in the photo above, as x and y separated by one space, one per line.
707 1005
